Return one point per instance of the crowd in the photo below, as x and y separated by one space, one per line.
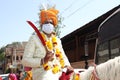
18 75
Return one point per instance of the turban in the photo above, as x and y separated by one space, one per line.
50 14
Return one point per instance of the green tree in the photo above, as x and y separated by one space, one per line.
2 54
2 50
16 43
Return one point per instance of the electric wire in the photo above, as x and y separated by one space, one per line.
73 2
80 8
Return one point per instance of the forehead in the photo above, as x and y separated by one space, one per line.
48 21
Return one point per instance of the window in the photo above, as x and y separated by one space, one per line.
21 57
115 47
108 50
17 58
103 53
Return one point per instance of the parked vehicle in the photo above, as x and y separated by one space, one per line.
108 42
4 76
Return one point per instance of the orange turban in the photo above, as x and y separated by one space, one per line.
50 14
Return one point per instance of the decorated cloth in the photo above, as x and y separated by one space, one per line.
50 14
74 75
12 76
28 75
27 68
65 76
34 52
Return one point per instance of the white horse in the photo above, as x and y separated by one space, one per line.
109 70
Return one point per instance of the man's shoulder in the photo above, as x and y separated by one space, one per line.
33 37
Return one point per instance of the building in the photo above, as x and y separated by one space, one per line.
79 45
13 55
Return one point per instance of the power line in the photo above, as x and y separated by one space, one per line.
73 2
79 9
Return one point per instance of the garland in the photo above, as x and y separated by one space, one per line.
52 45
76 77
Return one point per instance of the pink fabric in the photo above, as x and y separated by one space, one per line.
0 78
13 76
27 68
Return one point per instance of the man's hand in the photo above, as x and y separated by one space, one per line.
69 69
48 57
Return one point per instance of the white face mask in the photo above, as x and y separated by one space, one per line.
48 28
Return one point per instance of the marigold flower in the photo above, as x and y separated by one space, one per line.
46 67
62 63
49 45
52 45
55 69
76 77
54 40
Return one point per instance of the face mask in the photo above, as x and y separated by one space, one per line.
48 28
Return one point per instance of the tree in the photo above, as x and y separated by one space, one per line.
2 54
2 50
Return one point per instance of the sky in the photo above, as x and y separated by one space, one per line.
76 13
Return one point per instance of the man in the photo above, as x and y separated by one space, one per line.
46 61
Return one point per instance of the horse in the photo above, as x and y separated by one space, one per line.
109 70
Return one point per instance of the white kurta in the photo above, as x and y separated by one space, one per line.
34 52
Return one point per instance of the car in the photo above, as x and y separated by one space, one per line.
4 76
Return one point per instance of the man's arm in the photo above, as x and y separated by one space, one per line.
28 57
